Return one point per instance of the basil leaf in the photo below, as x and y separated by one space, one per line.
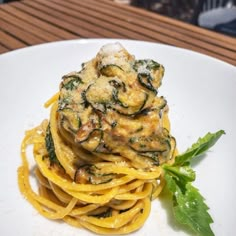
198 148
188 204
50 147
192 211
182 174
73 83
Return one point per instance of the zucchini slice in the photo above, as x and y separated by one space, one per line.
145 65
150 74
111 70
131 110
157 147
99 94
110 103
70 120
91 140
146 81
71 81
88 173
153 143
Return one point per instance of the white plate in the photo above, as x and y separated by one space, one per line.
201 92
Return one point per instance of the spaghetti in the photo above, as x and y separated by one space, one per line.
99 156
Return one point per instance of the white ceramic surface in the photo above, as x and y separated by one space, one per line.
201 93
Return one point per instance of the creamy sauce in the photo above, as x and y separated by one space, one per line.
111 106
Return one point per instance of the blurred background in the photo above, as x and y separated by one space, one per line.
216 15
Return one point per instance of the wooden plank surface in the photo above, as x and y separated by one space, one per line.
3 49
10 42
24 23
20 33
32 30
46 27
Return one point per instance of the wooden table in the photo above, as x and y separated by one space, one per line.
30 22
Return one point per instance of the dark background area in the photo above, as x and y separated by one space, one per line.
190 10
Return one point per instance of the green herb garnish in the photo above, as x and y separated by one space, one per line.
50 147
188 204
73 83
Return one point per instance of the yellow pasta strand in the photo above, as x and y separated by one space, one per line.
94 199
135 196
71 185
52 100
97 160
132 172
126 196
135 224
116 221
68 193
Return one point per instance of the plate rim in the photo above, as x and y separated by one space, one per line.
87 41
107 40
